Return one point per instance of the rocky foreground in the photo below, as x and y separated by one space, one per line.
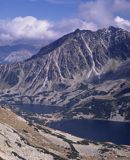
22 140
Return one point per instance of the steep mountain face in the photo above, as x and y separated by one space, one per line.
86 71
21 140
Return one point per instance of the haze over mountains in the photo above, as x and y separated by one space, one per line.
86 71
17 52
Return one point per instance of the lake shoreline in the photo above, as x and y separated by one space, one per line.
60 108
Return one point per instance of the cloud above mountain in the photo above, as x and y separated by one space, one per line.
103 12
32 28
122 23
91 14
26 27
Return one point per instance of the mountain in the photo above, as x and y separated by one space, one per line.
20 140
13 53
87 72
18 56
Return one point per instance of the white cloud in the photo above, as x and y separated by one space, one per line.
122 23
96 12
32 28
70 25
103 12
26 27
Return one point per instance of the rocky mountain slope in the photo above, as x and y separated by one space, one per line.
86 72
21 140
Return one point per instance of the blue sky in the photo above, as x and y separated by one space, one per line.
48 20
42 9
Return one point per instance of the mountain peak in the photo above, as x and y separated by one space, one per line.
114 29
108 29
77 30
111 30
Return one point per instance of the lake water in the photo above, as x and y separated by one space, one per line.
116 132
104 131
38 109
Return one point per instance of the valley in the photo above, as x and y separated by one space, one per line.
81 79
64 79
21 140
92 129
87 72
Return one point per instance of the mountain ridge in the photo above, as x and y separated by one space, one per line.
57 73
77 31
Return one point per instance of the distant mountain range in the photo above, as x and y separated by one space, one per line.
87 72
16 52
